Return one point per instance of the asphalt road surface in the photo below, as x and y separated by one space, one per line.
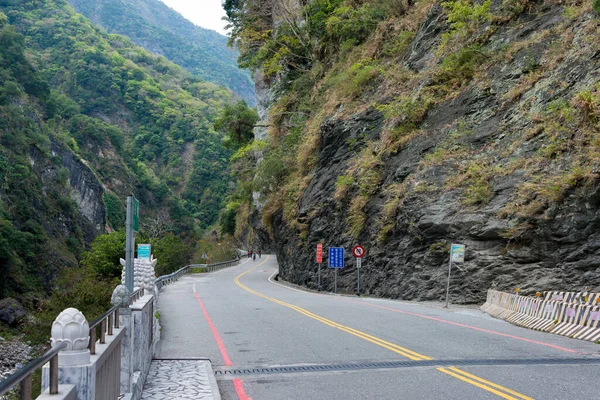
269 341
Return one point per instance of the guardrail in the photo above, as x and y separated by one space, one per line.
23 375
167 279
565 318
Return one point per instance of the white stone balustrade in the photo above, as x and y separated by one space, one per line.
143 273
121 364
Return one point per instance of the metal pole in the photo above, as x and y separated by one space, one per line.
358 276
448 283
26 388
335 286
54 375
319 285
129 245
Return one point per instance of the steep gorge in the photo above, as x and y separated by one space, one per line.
87 118
415 125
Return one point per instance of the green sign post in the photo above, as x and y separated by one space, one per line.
132 225
136 215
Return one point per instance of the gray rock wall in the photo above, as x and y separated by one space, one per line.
559 249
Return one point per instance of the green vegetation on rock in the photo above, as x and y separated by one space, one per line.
400 125
87 118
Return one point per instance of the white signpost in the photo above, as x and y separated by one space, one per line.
358 252
457 255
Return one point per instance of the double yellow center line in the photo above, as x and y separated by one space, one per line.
491 387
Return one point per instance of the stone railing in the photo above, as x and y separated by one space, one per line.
110 357
103 360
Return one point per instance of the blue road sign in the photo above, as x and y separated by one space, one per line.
336 257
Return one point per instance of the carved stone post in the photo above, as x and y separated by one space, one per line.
74 366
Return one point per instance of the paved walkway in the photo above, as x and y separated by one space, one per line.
180 379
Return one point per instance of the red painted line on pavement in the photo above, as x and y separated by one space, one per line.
239 389
468 327
237 383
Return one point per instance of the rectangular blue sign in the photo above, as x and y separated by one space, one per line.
336 257
144 251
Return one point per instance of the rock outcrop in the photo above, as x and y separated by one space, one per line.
11 311
497 167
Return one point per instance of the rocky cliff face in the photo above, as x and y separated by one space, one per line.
504 162
84 188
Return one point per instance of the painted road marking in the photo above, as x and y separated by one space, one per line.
444 321
237 383
466 326
491 387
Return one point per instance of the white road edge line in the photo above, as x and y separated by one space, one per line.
287 287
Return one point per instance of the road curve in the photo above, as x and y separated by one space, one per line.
271 341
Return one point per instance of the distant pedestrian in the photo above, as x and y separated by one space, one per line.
248 253
254 257
259 253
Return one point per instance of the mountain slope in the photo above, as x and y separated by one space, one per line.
161 30
408 126
87 118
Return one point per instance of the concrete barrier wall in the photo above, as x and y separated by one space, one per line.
570 314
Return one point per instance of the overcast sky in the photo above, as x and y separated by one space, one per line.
204 13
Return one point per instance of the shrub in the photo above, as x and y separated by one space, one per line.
464 18
362 74
459 67
354 22
342 185
115 211
270 172
514 8
357 217
172 253
104 255
398 45
596 6
227 218
79 288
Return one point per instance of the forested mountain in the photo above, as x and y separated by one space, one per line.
87 118
407 126
161 30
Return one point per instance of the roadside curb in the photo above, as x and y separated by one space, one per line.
214 387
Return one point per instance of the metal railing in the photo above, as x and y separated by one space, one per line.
105 324
215 267
110 320
23 376
135 296
167 279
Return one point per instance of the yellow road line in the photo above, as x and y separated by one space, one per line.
479 385
474 377
452 371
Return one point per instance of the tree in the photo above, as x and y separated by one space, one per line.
172 253
105 254
227 219
237 122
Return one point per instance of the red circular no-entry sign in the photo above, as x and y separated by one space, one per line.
358 251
